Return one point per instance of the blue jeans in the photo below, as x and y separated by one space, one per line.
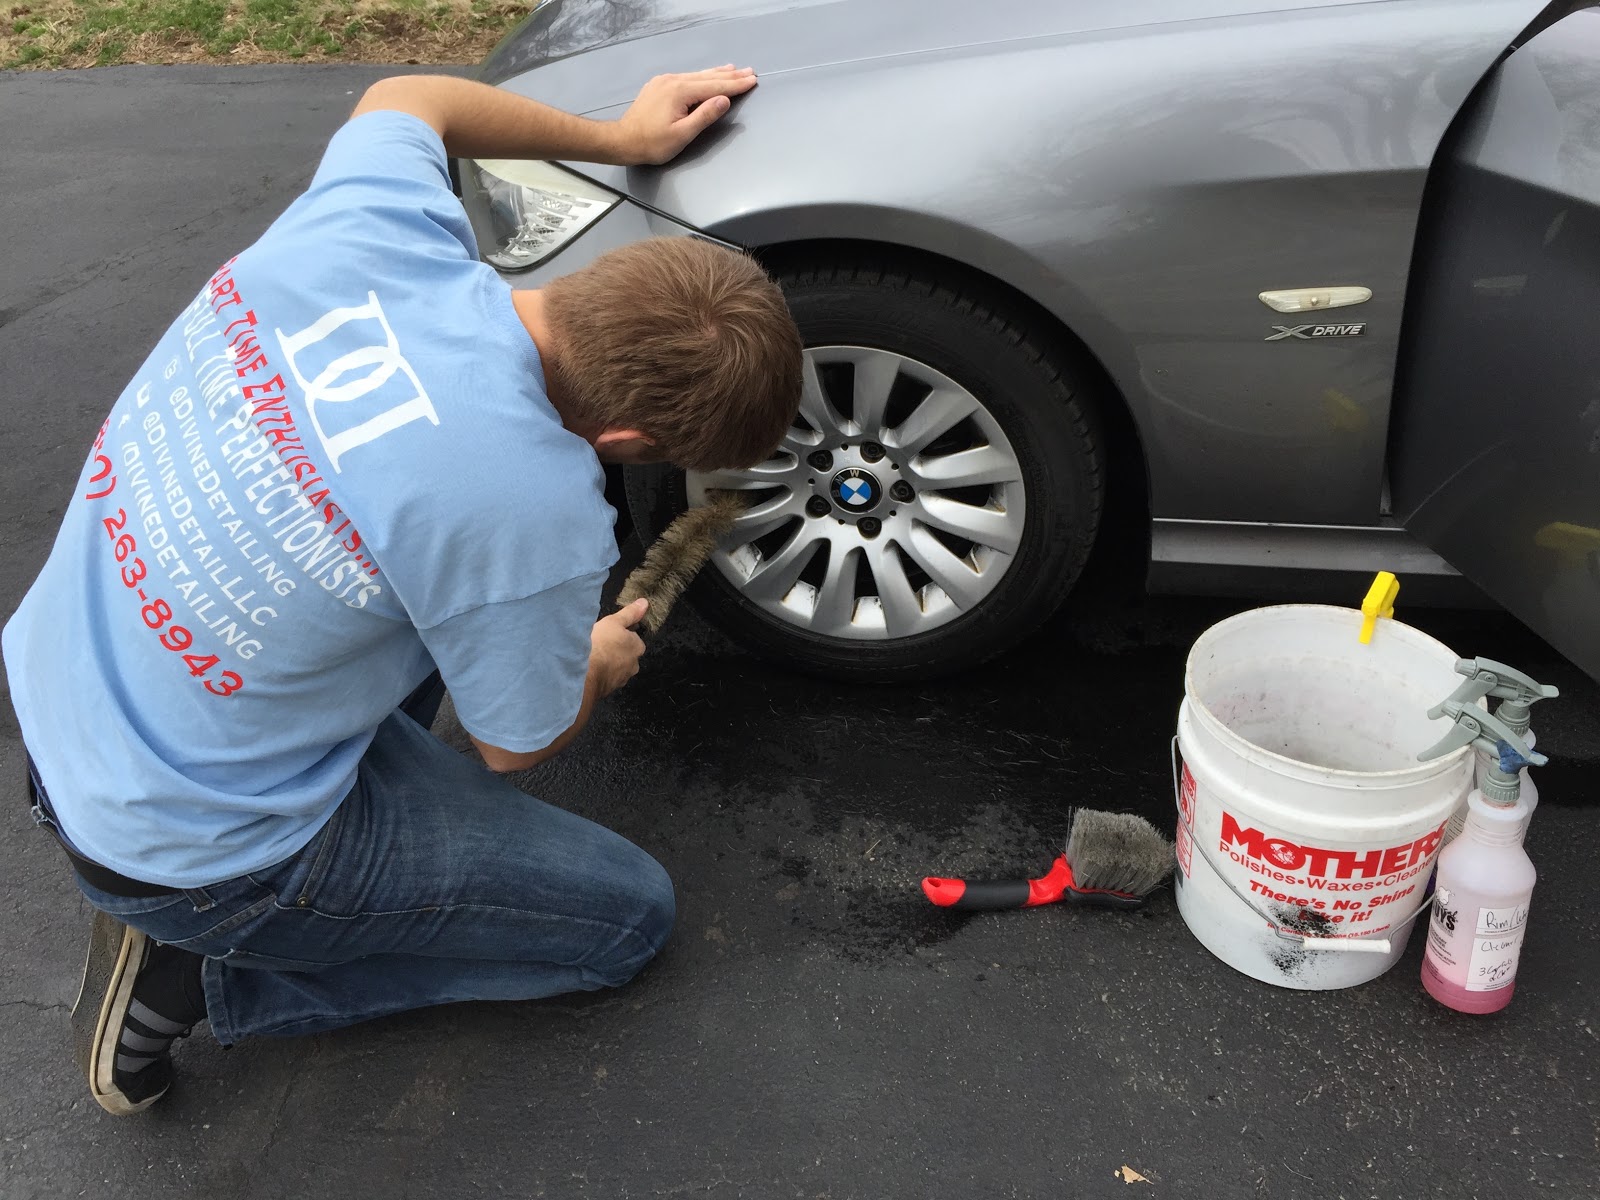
434 881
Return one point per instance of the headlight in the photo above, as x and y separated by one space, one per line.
535 208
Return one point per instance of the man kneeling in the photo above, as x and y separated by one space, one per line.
359 469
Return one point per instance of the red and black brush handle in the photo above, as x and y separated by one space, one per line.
1054 886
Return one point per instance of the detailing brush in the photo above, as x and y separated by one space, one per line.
1112 860
675 558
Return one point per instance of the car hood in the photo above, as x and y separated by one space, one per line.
643 37
557 30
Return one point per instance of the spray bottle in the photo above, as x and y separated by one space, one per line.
1517 694
1485 879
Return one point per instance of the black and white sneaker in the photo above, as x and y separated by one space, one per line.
138 996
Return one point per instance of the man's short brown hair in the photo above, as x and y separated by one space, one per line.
684 340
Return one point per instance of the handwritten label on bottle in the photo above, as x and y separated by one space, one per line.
1497 942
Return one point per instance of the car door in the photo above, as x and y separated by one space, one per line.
1495 453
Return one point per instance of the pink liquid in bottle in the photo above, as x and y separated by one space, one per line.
1480 910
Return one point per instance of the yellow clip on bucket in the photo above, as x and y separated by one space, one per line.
1379 603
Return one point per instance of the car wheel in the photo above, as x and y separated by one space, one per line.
934 502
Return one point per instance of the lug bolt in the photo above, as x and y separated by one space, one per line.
870 527
871 451
817 506
902 492
821 460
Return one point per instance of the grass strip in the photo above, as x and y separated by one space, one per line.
97 33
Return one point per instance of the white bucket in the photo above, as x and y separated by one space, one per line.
1307 828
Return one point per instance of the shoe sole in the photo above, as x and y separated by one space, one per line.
115 952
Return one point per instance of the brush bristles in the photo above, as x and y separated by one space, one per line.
675 558
1117 852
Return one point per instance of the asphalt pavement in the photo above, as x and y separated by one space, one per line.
815 1029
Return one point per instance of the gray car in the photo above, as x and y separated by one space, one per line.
1247 270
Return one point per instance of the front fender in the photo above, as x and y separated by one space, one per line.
1144 185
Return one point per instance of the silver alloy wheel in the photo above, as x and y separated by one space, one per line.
866 530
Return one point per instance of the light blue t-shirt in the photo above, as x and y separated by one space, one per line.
336 470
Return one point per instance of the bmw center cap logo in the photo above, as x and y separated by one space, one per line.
856 491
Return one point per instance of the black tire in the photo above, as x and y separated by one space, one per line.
1039 395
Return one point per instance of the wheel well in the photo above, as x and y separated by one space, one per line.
1125 522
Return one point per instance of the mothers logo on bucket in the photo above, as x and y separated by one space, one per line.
1304 873
1317 867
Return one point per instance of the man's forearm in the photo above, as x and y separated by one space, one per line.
478 121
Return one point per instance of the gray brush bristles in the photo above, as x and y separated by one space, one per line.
1117 852
675 558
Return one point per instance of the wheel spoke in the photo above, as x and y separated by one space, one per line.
761 519
875 374
815 406
985 526
967 468
902 610
836 597
771 473
940 410
953 576
773 577
800 442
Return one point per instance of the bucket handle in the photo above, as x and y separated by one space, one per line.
1350 945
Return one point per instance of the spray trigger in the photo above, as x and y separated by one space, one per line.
1473 726
1485 677
1379 602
